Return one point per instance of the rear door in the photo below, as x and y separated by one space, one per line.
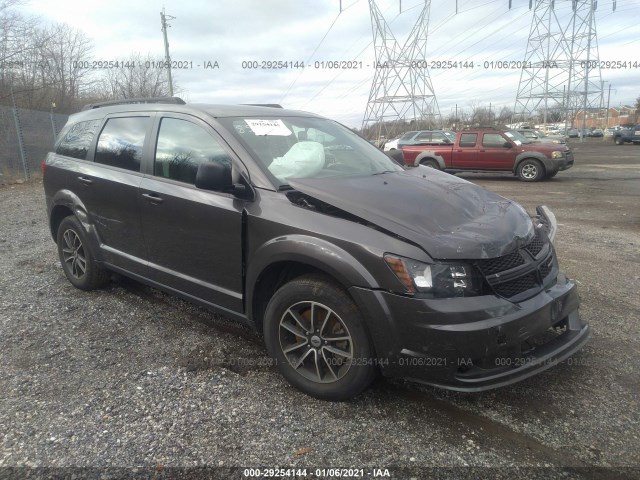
108 186
465 154
493 154
193 237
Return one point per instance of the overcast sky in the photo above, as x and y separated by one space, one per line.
231 32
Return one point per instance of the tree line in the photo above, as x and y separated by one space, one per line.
50 66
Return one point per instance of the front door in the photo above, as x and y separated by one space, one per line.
193 237
465 154
494 154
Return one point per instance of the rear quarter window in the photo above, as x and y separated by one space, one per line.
75 139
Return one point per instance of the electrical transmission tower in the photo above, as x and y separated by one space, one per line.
561 65
401 88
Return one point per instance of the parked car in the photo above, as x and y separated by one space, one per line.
539 136
573 133
347 263
391 145
609 132
425 137
627 135
493 150
596 133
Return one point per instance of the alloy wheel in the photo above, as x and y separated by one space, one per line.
316 342
529 171
73 254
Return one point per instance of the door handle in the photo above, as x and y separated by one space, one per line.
85 180
153 198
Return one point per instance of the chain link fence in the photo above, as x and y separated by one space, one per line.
26 136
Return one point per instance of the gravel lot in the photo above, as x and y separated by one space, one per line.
130 377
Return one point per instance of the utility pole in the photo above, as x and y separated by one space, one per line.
608 100
602 82
163 20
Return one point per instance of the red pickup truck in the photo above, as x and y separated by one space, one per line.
492 150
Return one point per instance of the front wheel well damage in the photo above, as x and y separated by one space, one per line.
274 277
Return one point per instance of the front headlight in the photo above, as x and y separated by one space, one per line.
436 280
557 154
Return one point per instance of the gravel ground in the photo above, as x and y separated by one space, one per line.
130 377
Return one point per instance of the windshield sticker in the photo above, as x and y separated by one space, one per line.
268 127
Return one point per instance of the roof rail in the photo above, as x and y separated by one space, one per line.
272 105
125 101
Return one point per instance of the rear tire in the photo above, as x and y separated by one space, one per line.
316 335
430 164
530 170
78 262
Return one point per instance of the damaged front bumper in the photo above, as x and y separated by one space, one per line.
475 343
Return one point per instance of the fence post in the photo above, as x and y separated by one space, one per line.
23 152
53 122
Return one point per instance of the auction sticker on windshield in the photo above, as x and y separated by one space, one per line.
268 127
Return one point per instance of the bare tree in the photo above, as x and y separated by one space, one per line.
505 115
64 55
137 76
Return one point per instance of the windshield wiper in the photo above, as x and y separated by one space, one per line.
385 171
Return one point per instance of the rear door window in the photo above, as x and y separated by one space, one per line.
468 139
121 141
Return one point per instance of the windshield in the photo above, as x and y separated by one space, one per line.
517 137
307 147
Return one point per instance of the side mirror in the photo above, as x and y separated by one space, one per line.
214 176
507 145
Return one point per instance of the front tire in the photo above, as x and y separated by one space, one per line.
530 170
78 262
619 141
316 334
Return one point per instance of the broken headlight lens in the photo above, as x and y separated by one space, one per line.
438 280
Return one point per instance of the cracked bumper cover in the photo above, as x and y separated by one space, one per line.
473 343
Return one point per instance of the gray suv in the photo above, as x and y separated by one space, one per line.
348 264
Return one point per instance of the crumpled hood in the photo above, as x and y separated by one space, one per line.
450 218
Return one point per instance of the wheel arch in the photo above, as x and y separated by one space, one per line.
424 156
281 260
546 162
66 203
